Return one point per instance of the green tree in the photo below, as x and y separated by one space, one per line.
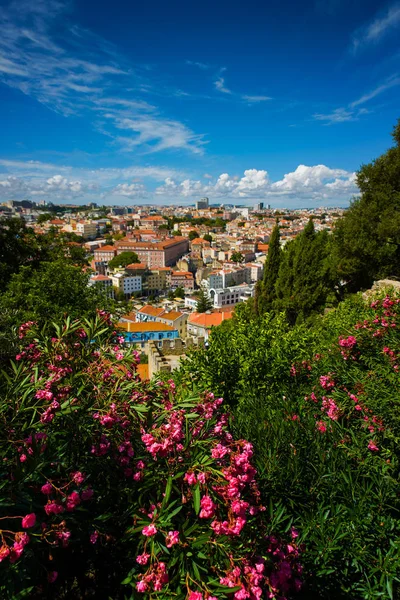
43 218
237 257
266 291
204 302
368 236
179 292
52 291
207 237
193 235
304 279
123 259
177 232
171 295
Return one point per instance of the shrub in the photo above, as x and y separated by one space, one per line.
111 488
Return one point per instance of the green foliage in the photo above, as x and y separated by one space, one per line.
368 236
124 486
44 217
304 281
123 259
266 291
237 257
316 403
193 235
207 237
179 292
204 302
51 291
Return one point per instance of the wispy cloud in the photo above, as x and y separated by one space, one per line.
79 73
376 30
393 81
255 99
220 86
199 65
353 111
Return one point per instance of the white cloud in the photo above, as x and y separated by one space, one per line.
305 183
339 115
220 85
378 28
256 99
132 190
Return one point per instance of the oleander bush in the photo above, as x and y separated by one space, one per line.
321 406
114 488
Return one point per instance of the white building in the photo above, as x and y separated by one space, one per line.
231 295
126 283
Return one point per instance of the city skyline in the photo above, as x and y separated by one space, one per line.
166 104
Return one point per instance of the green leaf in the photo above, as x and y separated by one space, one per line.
196 498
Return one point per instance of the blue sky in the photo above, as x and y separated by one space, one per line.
165 102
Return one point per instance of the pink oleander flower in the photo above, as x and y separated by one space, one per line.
207 508
78 477
142 586
320 425
143 559
47 488
29 521
190 478
4 552
94 537
73 501
22 458
195 596
149 530
172 538
53 508
372 446
348 342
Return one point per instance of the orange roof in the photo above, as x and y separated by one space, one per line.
129 317
148 326
185 274
200 241
262 247
149 245
153 218
151 311
57 222
106 249
100 278
209 320
136 266
172 315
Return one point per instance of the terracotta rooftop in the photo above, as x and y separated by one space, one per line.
185 274
172 315
209 320
100 278
106 249
136 266
151 311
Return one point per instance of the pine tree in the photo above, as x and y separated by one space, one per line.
204 302
266 291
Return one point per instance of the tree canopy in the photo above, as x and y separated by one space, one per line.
124 259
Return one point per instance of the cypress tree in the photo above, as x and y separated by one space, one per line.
267 292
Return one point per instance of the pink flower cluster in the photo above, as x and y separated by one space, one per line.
154 579
165 440
330 408
13 552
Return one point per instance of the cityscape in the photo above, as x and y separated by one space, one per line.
199 300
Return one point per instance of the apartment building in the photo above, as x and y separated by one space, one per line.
182 279
127 284
105 253
158 254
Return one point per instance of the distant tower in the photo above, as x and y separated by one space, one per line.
202 204
259 206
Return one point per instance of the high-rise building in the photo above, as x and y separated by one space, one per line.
259 206
202 204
